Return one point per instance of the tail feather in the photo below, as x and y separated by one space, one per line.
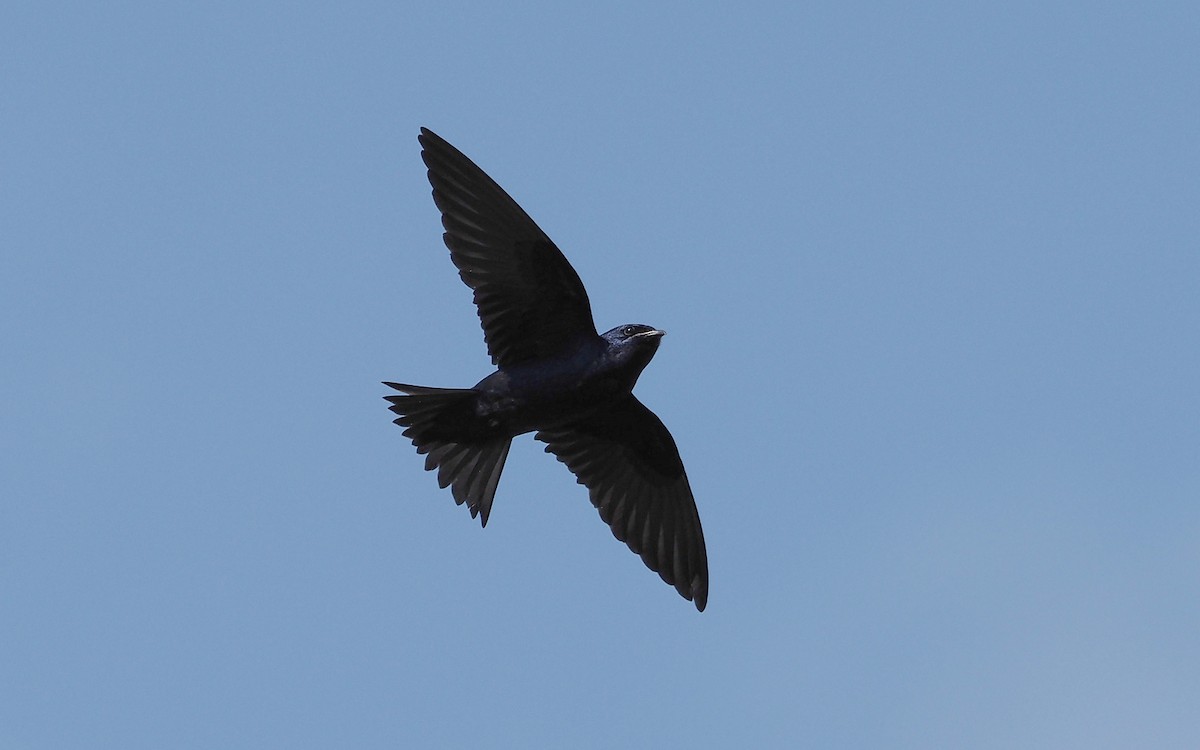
442 424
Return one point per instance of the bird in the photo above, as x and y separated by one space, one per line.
555 376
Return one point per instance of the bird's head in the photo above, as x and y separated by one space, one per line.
635 335
633 345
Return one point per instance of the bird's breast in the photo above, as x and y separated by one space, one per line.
526 398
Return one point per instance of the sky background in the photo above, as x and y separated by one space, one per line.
931 277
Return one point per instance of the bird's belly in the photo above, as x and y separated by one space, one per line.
518 405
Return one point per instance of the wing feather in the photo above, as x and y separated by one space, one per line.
530 301
628 461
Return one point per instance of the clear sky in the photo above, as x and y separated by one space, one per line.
931 277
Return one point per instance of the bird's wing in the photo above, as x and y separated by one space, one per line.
530 301
631 467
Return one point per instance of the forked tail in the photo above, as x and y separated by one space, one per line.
442 424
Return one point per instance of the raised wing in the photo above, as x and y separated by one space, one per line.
628 461
531 302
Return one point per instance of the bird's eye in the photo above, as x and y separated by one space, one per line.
628 331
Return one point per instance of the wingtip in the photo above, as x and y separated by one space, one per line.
699 593
405 389
424 138
427 138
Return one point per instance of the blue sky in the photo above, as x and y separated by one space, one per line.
931 276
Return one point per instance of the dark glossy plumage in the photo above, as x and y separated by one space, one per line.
530 301
556 377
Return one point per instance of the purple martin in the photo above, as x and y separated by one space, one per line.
556 377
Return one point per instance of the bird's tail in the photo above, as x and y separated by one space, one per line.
442 424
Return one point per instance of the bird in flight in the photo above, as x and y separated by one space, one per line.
556 377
